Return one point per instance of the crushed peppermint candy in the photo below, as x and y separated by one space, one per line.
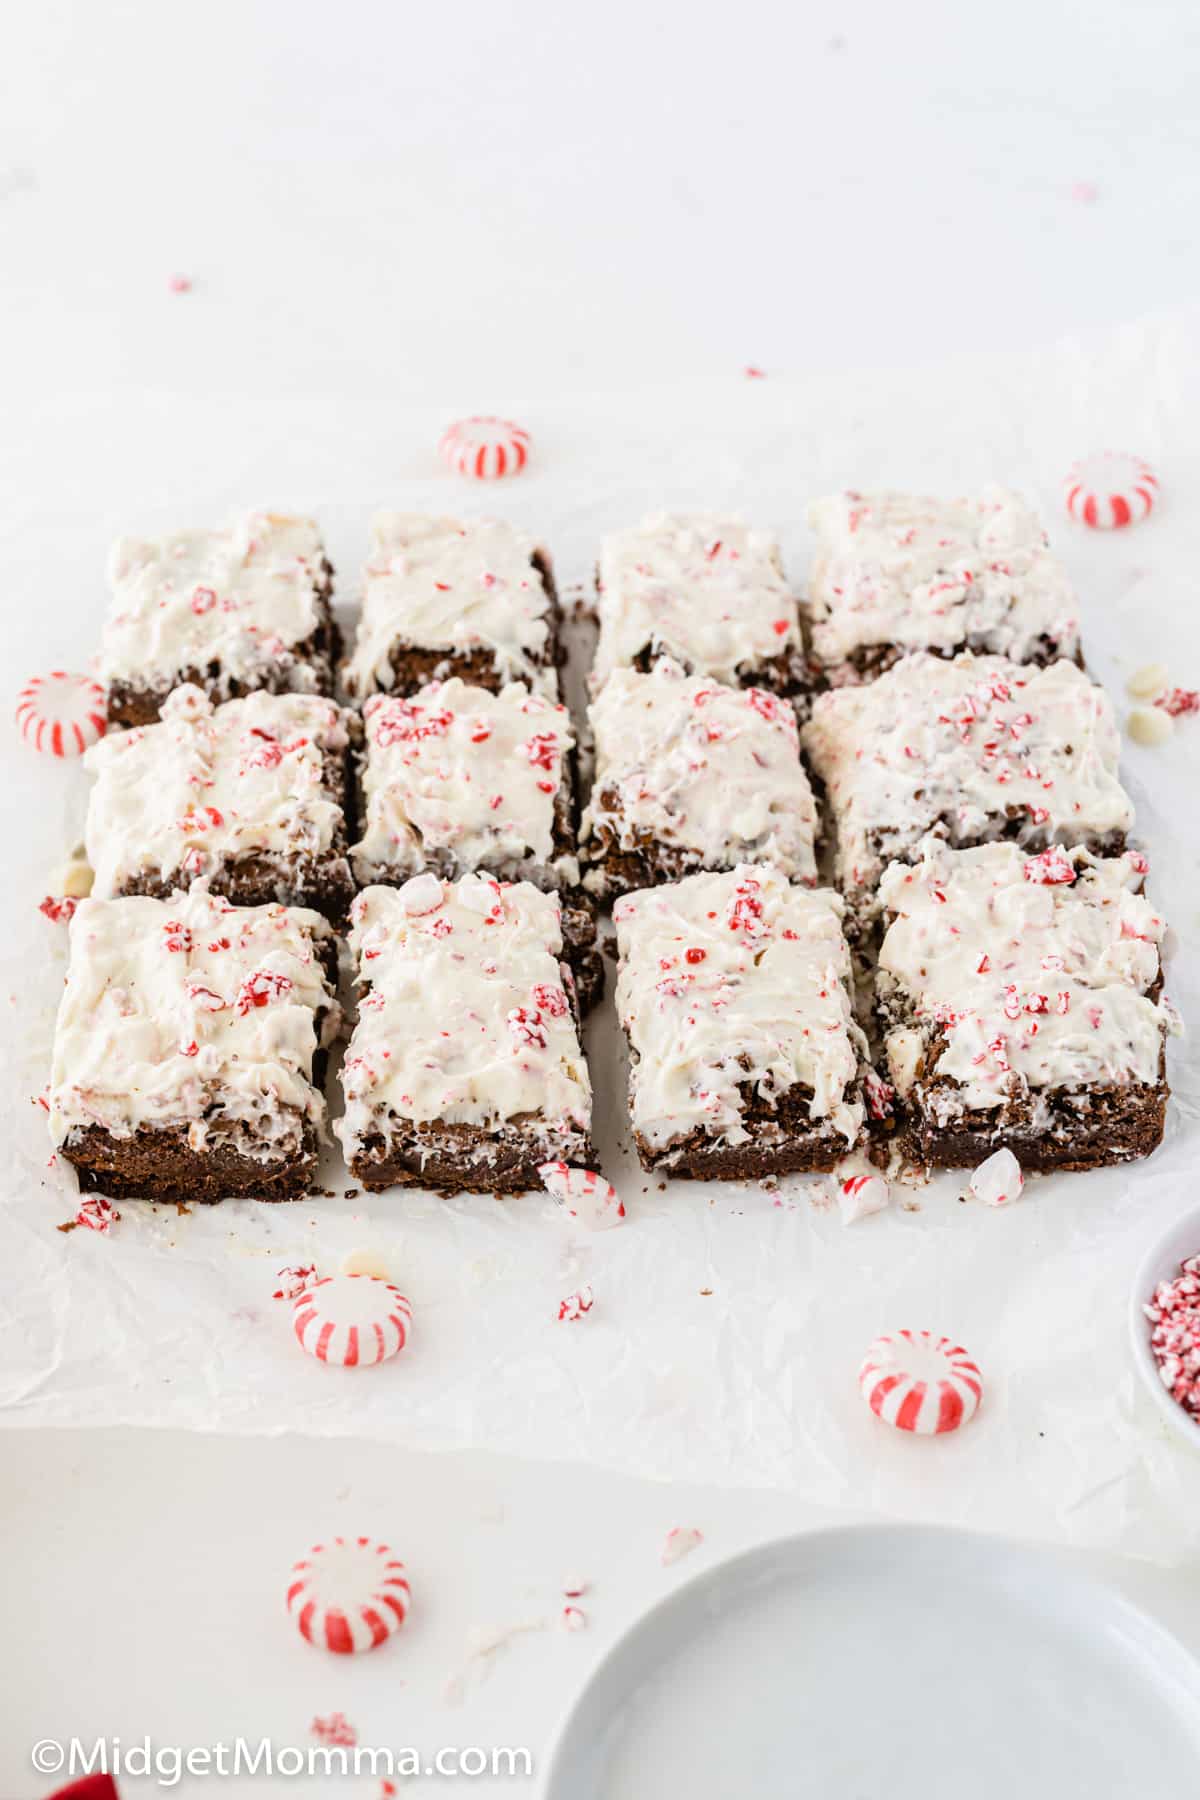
861 1195
680 1541
576 1305
584 1195
1178 702
59 911
1174 1314
97 1214
999 1179
574 1618
336 1729
293 1279
1051 867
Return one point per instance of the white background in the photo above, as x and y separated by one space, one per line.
470 208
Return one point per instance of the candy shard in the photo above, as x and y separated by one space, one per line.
680 1541
998 1180
576 1305
584 1194
861 1195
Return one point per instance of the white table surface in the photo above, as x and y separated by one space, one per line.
468 206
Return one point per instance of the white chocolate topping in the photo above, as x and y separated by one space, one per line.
241 598
970 747
710 771
935 574
454 585
465 1019
192 1013
1036 969
209 786
706 590
729 980
457 779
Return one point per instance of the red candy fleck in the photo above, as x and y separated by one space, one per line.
542 751
260 989
880 1095
781 627
1174 1313
527 1028
575 1306
293 1279
97 1214
336 1729
694 955
1179 702
549 999
59 912
203 600
177 937
1051 868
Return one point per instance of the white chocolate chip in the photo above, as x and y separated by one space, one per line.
75 880
1148 682
1149 725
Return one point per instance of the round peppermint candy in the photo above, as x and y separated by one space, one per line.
348 1595
61 714
921 1383
485 448
584 1194
352 1320
1110 490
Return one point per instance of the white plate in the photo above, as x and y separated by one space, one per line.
886 1663
1161 1263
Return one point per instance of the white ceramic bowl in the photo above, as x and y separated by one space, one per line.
1161 1263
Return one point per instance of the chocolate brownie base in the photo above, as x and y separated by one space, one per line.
872 660
161 1165
788 674
457 1159
413 665
1089 1128
614 869
325 883
133 703
783 1141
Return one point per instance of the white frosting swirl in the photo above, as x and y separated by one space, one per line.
462 779
973 747
208 787
706 590
190 1012
241 598
454 585
935 574
1035 969
709 770
729 980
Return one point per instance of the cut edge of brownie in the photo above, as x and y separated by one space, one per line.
867 662
159 1164
788 673
130 704
459 1158
784 1141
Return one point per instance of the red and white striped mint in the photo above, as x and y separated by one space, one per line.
998 1180
583 1194
1110 490
351 1320
861 1195
61 714
486 448
348 1595
921 1383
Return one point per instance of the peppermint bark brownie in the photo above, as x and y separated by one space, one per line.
971 749
692 775
900 572
464 1070
460 780
443 597
249 797
1019 1009
734 994
189 1048
706 591
229 611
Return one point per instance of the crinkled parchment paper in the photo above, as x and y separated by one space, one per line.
729 1321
